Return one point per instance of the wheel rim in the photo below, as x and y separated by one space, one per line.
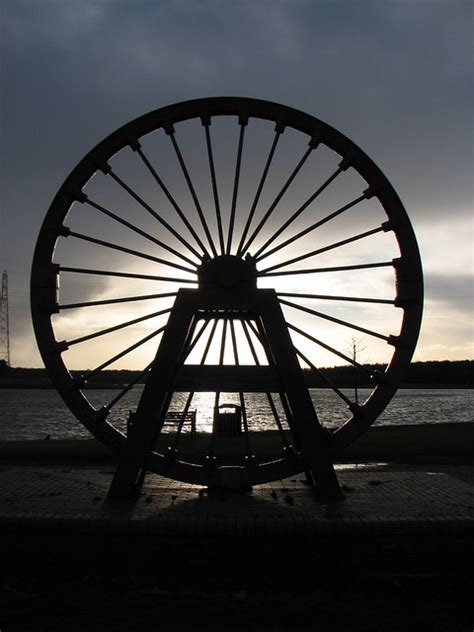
281 232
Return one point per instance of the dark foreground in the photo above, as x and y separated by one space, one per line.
74 598
396 554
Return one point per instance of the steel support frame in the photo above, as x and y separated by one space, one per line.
262 305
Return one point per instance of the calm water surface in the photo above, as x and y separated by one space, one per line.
36 413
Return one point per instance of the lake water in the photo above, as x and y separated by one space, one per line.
36 413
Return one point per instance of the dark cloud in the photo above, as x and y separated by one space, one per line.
394 76
453 292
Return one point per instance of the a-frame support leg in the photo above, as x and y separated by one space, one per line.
130 471
310 437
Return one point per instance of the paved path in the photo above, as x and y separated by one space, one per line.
377 501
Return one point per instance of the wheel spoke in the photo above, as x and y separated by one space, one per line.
212 441
109 330
170 197
223 341
217 395
230 233
108 171
319 251
338 321
322 344
263 221
248 449
128 388
192 191
205 353
127 275
234 342
356 299
189 348
250 343
276 138
363 266
210 339
137 230
135 253
113 301
270 401
325 379
214 185
243 408
317 224
297 213
120 355
276 416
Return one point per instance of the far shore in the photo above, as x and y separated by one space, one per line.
428 374
427 443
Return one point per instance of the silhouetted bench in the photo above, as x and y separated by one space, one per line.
173 418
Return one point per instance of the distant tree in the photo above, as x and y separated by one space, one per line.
356 348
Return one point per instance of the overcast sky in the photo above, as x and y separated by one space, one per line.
394 76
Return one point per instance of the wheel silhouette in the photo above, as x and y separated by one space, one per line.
212 190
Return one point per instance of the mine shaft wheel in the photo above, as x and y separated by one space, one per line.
127 190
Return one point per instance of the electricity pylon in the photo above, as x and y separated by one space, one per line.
4 324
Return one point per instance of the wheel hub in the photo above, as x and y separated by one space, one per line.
227 272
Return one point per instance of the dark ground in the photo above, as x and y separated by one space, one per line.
81 583
115 582
96 603
93 602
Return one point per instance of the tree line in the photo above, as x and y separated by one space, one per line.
432 374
